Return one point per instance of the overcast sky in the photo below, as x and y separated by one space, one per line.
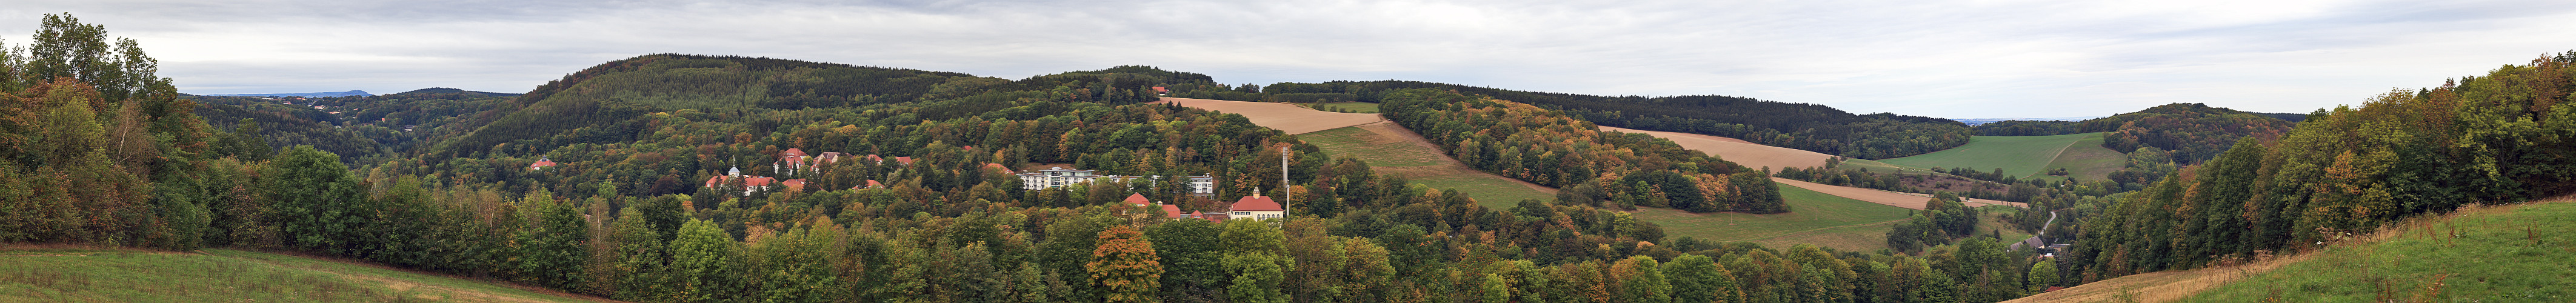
1954 59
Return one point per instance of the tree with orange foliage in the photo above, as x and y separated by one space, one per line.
1124 266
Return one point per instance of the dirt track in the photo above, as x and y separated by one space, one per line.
1739 151
1281 116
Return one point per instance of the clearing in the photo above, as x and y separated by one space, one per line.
1818 218
1739 151
82 274
1393 150
2017 156
2480 253
1284 117
2086 160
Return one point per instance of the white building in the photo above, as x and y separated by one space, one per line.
1053 177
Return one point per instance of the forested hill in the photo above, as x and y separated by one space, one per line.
2505 137
1812 127
2186 132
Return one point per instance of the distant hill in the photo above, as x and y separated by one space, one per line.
1812 127
320 94
443 90
1983 121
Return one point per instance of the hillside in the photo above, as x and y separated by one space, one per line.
1804 126
2476 253
2192 132
2022 157
2500 138
1739 151
35 273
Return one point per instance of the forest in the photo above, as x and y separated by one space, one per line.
1811 127
627 212
2501 138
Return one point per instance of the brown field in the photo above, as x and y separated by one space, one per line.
1739 151
1284 117
1897 199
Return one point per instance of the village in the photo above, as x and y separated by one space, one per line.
794 161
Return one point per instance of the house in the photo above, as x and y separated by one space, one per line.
871 184
1160 91
1169 211
541 164
1256 207
750 184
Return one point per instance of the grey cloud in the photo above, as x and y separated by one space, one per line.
1949 58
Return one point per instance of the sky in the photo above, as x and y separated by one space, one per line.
1951 59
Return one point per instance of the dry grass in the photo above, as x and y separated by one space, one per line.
1284 117
1739 151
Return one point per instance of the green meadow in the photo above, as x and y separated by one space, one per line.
1818 218
2017 156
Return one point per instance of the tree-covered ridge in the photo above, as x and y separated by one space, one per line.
2505 137
1812 127
1550 148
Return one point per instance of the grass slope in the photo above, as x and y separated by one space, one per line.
2510 253
1399 154
109 275
1821 219
2515 253
2018 156
2086 160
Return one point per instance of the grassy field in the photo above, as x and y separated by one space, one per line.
2510 253
1398 155
1378 150
1818 218
2086 160
110 275
1348 107
2017 156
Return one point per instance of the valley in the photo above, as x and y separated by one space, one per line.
720 178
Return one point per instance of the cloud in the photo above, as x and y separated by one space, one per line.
1945 58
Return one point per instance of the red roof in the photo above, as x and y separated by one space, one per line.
718 179
792 152
542 163
1174 211
874 184
1256 203
1160 89
758 181
904 160
1139 199
795 184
